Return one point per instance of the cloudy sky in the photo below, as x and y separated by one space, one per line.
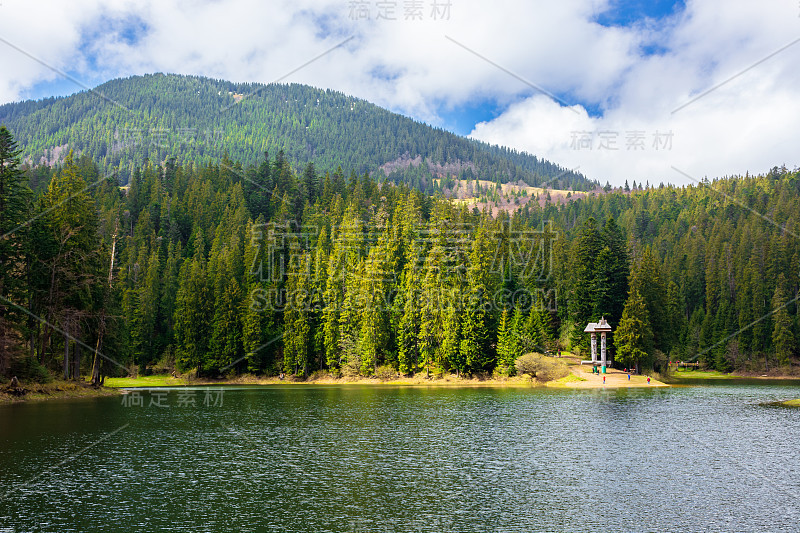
659 91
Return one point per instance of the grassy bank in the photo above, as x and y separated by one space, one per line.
699 374
158 380
714 375
565 381
792 403
54 390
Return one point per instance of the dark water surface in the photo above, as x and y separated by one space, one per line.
316 459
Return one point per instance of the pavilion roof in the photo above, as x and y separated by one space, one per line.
598 327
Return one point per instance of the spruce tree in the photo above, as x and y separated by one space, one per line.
634 335
517 335
647 280
408 328
15 197
430 321
146 314
225 345
508 340
583 296
613 272
474 344
450 335
72 255
333 297
193 311
783 340
301 326
533 337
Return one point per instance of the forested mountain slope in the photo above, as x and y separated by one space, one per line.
125 122
227 268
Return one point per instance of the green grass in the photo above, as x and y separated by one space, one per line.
164 380
562 382
570 378
55 390
700 374
792 403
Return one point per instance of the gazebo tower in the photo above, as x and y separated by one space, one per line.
602 328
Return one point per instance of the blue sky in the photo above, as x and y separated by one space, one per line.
631 12
605 67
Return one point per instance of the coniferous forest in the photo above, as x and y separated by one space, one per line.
277 266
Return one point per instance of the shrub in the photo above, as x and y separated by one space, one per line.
166 364
385 372
28 369
540 367
317 375
528 363
351 368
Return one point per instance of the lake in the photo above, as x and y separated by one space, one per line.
386 459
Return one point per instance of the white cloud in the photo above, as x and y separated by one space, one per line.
410 66
553 44
746 124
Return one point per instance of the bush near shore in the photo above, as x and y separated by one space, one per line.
541 367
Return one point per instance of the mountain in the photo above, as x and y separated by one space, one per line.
126 122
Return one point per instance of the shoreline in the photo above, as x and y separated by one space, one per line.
57 390
580 377
414 381
614 379
713 375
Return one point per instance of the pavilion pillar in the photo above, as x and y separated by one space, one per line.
594 348
603 350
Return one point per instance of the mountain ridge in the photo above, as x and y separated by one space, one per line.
126 122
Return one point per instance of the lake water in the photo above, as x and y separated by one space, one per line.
385 459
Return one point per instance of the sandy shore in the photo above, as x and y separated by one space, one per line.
614 378
418 380
580 378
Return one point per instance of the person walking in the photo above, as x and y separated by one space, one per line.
648 380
